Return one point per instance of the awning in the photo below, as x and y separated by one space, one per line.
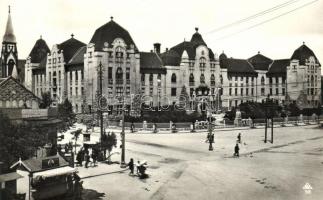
55 172
9 177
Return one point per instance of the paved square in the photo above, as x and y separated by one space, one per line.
181 167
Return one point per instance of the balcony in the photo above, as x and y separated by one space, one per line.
191 83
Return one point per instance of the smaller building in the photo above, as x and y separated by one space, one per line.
44 178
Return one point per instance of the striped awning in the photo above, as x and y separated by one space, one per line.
55 172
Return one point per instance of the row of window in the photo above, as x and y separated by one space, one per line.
252 91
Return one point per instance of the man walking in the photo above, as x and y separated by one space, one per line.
236 150
239 138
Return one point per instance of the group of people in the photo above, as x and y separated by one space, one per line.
89 157
141 168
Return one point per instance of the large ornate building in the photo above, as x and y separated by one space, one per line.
72 70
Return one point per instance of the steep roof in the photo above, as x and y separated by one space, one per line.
108 33
260 62
78 57
70 47
237 66
150 62
174 55
39 51
302 53
197 38
9 35
278 67
6 89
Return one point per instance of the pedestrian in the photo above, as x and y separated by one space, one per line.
87 159
79 157
94 156
132 127
66 148
131 166
236 150
239 137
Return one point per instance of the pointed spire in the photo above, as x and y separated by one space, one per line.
9 35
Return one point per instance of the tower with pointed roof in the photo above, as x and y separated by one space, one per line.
9 53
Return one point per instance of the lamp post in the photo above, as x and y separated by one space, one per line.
159 89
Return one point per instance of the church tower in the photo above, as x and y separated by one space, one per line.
9 54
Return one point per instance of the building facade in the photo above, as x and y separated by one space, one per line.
111 59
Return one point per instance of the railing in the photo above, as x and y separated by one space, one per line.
191 83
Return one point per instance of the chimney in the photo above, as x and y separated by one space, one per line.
166 49
157 48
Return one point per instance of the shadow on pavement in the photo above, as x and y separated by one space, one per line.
89 194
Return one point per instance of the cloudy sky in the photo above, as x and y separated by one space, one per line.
171 21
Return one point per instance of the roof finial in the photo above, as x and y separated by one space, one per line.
258 52
197 29
222 51
111 18
184 40
9 9
303 43
41 37
72 35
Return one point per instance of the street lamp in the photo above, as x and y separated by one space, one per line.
123 135
159 89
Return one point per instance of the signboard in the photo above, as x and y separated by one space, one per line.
33 113
50 163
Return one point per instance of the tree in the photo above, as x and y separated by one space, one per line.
66 114
108 142
18 141
46 100
184 98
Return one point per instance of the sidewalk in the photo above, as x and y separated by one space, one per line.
101 169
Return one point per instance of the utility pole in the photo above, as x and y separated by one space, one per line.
123 135
100 112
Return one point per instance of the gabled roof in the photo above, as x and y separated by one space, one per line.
108 33
78 57
278 67
70 47
35 164
260 62
39 51
238 66
150 62
302 53
5 92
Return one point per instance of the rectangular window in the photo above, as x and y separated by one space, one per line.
241 90
271 91
173 92
236 91
110 73
247 91
283 91
128 91
230 91
76 91
151 90
252 91
71 91
128 73
263 91
277 91
82 91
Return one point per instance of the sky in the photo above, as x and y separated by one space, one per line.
170 22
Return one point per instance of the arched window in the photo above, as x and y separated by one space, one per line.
191 80
212 80
159 80
151 77
262 80
202 78
143 79
221 79
173 79
119 76
312 80
119 52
